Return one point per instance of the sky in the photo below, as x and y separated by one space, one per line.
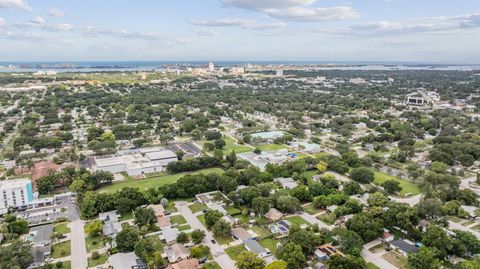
430 31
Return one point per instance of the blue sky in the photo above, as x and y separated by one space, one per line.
247 30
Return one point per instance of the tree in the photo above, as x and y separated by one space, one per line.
436 237
351 242
208 146
219 144
197 236
248 260
347 262
287 204
17 226
182 238
293 255
16 255
221 228
126 239
199 251
308 240
302 193
94 228
352 188
257 151
391 186
425 258
218 153
179 154
211 217
147 248
145 216
321 167
366 227
279 264
260 205
362 175
231 157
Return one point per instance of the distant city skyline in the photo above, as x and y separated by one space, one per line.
241 30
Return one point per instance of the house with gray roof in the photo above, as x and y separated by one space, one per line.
254 247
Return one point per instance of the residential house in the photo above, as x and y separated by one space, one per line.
186 264
273 214
254 247
241 234
162 220
471 210
325 251
111 224
169 235
286 182
126 261
403 246
41 243
176 252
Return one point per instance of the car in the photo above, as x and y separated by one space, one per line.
168 213
202 260
213 241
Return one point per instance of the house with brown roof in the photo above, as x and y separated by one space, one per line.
186 264
273 214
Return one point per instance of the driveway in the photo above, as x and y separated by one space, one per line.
374 258
411 201
312 220
457 226
218 252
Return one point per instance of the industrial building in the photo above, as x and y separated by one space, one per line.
137 162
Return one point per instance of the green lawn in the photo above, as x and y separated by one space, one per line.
197 207
154 182
184 227
211 265
65 265
269 147
93 242
260 231
407 186
396 259
223 240
101 260
233 211
269 243
126 216
61 250
327 218
312 210
297 220
178 219
61 228
232 145
201 218
233 252
372 266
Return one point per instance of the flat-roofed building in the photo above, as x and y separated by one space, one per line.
17 193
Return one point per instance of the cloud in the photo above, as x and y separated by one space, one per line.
22 36
55 12
235 22
38 20
15 4
418 25
207 32
227 22
3 23
295 10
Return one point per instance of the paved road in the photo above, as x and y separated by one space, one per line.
457 226
312 220
410 200
79 249
218 252
371 257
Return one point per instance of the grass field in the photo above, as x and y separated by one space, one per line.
396 259
61 250
233 211
65 265
101 260
372 266
232 252
201 218
61 228
184 227
269 243
232 145
211 265
178 219
197 207
260 231
312 210
268 147
407 186
328 218
223 240
154 182
93 242
297 220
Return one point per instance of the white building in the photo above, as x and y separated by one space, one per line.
211 67
279 72
138 162
16 193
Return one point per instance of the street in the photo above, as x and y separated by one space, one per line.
218 252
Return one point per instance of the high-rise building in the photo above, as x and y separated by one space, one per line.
279 72
211 67
16 193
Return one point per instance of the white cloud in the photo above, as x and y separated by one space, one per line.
207 32
268 26
15 4
227 22
418 25
3 23
38 20
55 12
295 10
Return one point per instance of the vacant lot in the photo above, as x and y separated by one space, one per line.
407 186
154 182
